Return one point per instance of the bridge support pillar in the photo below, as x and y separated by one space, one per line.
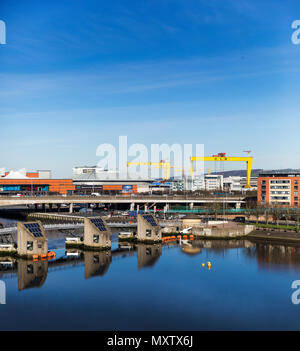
191 205
154 208
71 208
166 207
238 205
146 208
137 208
132 206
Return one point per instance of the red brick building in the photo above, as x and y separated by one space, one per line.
278 188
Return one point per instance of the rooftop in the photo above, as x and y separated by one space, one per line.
281 173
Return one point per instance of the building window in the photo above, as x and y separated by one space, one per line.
29 245
281 181
96 239
40 245
148 232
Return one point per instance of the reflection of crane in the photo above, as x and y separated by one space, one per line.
248 152
222 157
162 164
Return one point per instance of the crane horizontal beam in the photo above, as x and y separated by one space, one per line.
248 160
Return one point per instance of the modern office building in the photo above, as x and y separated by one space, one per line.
208 182
237 183
92 179
278 188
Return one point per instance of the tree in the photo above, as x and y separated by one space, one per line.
287 215
297 217
267 214
257 212
276 214
250 208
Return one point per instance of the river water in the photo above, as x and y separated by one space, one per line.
154 288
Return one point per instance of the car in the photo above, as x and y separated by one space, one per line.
239 219
85 210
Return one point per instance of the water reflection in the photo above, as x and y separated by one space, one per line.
274 256
96 263
31 274
148 255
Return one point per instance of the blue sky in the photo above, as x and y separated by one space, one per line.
76 74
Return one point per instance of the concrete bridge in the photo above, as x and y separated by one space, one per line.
135 202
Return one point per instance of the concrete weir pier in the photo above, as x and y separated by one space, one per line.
32 240
96 236
148 229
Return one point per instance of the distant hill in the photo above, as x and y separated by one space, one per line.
254 172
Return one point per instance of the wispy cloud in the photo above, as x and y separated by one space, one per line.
137 78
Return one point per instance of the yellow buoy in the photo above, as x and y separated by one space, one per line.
203 264
208 265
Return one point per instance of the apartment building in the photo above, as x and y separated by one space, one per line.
278 188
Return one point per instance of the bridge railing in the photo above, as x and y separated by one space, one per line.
107 198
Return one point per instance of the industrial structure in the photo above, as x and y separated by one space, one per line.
33 183
148 229
223 158
97 234
93 180
32 240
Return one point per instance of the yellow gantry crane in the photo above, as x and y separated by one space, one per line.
162 164
223 157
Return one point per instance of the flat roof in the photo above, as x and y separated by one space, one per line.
283 173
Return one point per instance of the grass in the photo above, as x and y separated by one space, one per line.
275 226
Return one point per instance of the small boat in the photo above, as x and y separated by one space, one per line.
51 254
125 235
